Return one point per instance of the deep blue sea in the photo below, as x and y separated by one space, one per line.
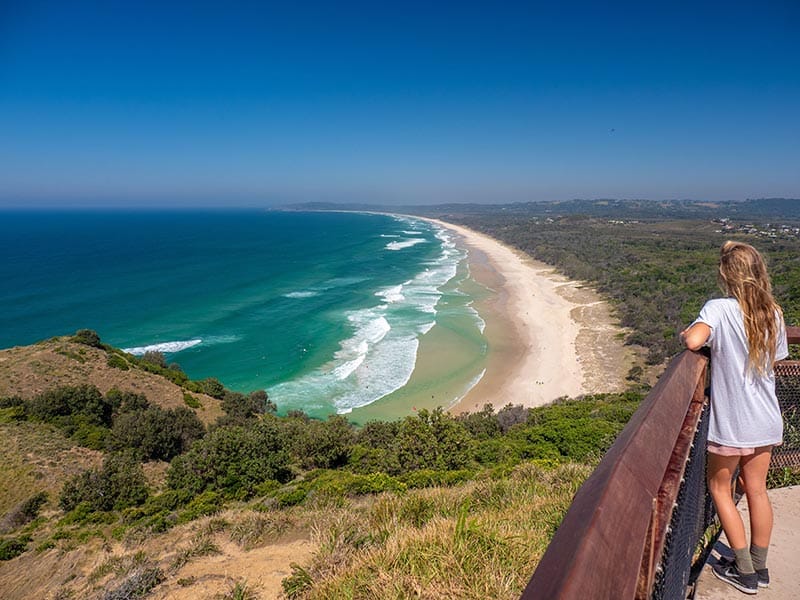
323 310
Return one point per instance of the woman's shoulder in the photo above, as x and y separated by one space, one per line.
722 304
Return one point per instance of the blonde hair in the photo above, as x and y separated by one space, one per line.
743 275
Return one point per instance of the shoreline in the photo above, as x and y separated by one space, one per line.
548 336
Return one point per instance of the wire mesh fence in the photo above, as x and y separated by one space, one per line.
691 517
787 386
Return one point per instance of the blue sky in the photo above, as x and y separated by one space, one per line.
254 103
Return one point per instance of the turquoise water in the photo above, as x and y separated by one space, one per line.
323 310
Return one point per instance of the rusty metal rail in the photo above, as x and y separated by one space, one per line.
610 543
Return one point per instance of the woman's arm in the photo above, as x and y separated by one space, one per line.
695 336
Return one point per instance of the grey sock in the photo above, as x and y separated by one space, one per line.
759 556
743 561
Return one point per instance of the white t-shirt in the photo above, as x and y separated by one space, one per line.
744 409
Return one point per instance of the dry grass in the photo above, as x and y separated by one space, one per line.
479 540
36 457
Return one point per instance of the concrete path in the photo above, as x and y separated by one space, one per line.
784 554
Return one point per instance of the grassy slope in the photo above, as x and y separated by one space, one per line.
477 539
480 539
29 370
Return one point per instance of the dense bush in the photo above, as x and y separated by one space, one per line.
432 440
233 460
155 358
156 433
576 429
13 547
126 401
240 409
61 404
88 337
319 444
119 483
213 387
117 362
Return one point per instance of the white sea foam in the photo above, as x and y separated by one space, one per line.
170 347
305 294
475 381
392 294
379 354
478 319
390 235
408 243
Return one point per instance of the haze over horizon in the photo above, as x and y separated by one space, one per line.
111 104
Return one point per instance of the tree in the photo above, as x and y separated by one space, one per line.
155 358
232 460
119 483
155 433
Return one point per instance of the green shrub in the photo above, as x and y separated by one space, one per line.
291 497
126 401
320 444
377 434
13 414
233 460
241 409
156 433
117 362
429 478
207 503
90 435
13 547
87 337
364 459
191 401
212 387
11 401
118 484
432 440
71 400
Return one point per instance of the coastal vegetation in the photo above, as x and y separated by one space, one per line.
489 485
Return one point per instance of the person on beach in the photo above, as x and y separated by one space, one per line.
746 334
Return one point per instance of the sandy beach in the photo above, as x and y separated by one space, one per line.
548 336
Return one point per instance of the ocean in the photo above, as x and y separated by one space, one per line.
328 312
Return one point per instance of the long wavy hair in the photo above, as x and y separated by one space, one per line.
743 275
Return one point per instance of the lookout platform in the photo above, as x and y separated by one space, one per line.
783 553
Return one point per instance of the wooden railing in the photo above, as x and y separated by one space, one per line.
613 534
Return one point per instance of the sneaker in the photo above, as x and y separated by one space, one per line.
747 583
762 574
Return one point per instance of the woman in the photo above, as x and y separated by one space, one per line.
746 334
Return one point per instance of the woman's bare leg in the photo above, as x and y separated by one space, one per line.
720 470
754 471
